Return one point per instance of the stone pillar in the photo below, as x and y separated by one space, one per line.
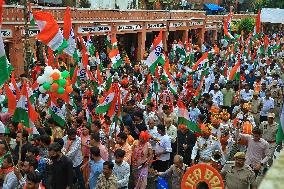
214 35
200 35
165 39
141 45
16 50
184 35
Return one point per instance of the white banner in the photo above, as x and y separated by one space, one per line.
271 15
129 27
93 29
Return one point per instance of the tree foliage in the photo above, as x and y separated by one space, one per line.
85 4
8 2
246 25
270 4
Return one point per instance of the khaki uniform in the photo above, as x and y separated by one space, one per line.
269 134
238 178
276 94
255 104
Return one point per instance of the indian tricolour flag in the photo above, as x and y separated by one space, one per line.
50 33
179 47
235 72
155 57
227 27
257 24
183 118
280 131
69 36
201 63
25 112
168 77
4 71
57 113
31 16
114 42
116 60
108 102
90 46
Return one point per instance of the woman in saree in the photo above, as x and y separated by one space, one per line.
141 159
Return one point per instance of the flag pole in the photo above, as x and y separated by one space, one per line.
21 141
27 51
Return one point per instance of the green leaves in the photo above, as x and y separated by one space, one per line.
246 25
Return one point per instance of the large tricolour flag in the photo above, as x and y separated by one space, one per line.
235 72
25 112
115 58
257 23
183 118
108 102
50 33
168 77
227 26
280 131
155 55
12 102
57 113
68 34
201 62
4 72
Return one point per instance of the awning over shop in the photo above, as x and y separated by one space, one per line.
213 7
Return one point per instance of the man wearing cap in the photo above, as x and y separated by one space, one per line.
255 107
269 130
239 175
205 145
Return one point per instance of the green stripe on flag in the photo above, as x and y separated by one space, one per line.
103 109
117 64
279 134
57 118
21 115
4 72
190 124
63 46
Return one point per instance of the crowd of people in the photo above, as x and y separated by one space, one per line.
237 120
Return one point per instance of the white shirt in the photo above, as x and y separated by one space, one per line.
217 98
247 96
172 133
75 151
268 104
122 173
10 181
164 147
207 82
205 147
154 132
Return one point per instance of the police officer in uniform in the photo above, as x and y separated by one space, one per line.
277 95
239 175
255 107
269 130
